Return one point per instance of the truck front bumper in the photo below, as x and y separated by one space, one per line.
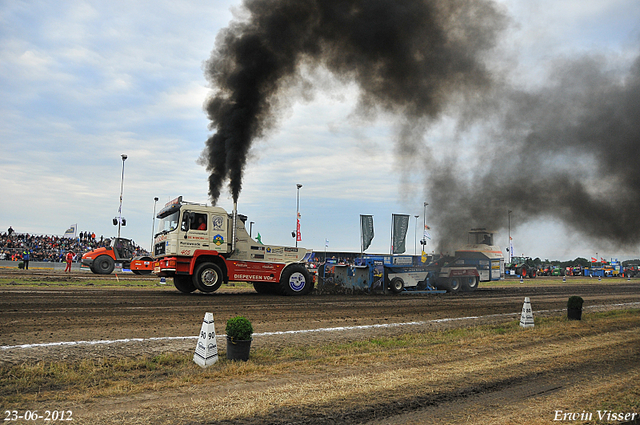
165 267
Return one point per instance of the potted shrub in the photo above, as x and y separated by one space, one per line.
239 331
574 308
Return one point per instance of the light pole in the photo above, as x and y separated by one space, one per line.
423 241
153 225
251 227
124 158
415 232
509 242
298 236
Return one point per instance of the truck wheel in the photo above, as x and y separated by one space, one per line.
103 265
296 280
184 284
451 284
265 288
207 277
470 284
396 285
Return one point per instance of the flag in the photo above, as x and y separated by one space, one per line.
399 232
259 239
366 229
71 232
298 234
326 243
593 260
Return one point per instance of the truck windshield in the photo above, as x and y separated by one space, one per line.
168 223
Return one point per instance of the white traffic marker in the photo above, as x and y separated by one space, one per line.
526 318
207 348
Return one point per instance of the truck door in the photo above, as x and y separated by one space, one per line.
194 233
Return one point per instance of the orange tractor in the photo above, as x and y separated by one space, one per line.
104 259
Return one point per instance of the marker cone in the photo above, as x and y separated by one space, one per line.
207 348
526 318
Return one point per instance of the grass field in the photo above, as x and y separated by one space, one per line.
360 371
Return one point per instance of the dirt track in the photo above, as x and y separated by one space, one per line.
52 314
32 315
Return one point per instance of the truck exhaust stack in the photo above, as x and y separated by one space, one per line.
235 226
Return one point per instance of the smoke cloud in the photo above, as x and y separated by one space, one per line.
568 151
407 56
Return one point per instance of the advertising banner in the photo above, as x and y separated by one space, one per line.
366 229
399 232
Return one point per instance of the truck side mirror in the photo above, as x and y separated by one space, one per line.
187 219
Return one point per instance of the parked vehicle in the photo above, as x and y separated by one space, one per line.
102 260
521 266
631 271
545 270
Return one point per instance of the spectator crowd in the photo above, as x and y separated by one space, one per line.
50 248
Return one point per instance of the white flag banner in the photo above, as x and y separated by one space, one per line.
71 232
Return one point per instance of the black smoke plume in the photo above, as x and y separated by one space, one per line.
568 151
407 56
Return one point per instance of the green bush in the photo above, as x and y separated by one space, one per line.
239 328
575 302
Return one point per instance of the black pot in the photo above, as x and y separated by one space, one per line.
238 349
574 313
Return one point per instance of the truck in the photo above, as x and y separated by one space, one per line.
121 250
203 247
521 266
477 261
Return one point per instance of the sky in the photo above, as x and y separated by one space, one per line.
83 82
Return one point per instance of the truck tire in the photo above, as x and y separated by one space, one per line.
451 284
103 265
296 280
208 277
266 288
470 284
184 284
396 285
